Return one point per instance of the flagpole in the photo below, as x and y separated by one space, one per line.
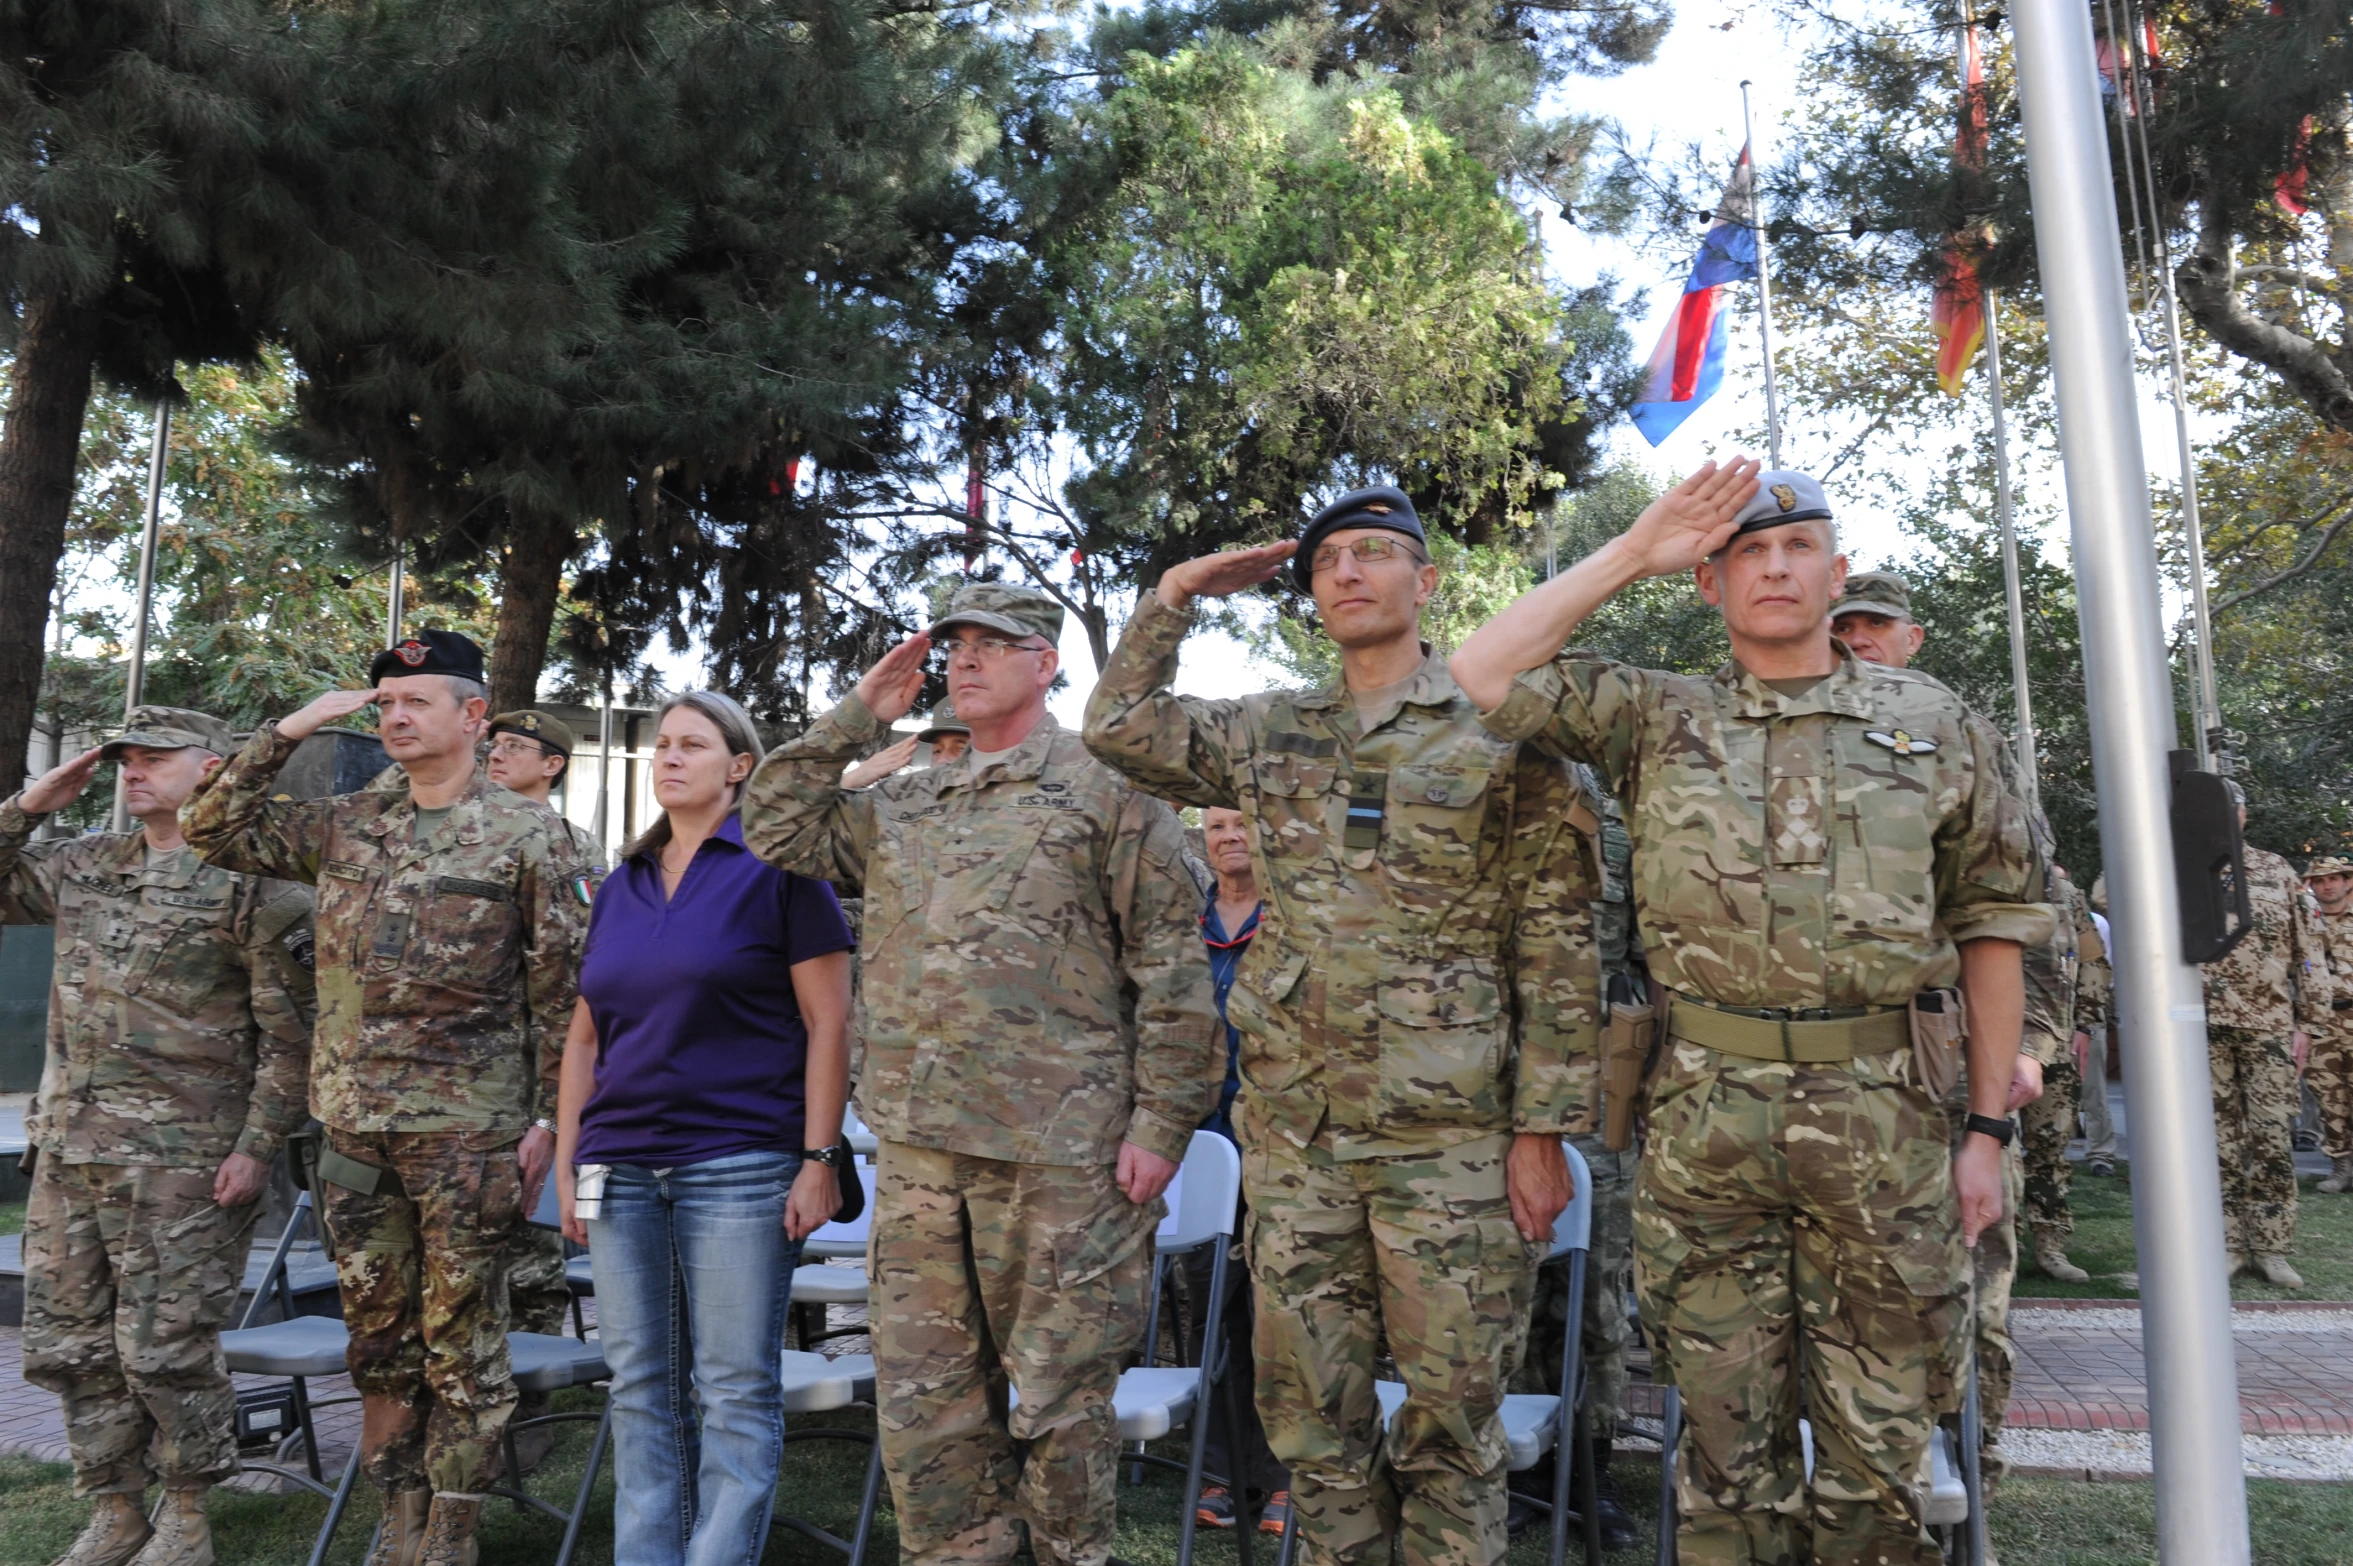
2006 515
1764 283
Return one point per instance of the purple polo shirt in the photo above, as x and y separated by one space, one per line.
702 1051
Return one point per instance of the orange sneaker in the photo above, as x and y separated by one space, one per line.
1277 1515
1215 1509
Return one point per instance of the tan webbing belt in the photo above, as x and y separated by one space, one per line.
1812 1040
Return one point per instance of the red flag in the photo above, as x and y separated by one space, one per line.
2288 189
1957 315
976 504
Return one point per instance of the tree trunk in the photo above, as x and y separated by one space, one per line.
530 577
38 449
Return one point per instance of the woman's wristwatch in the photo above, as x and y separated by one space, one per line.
835 1157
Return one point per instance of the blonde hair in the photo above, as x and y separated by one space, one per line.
735 726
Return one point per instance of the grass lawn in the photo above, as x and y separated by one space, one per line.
12 1217
2036 1522
2102 1246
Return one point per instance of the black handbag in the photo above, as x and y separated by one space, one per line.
852 1189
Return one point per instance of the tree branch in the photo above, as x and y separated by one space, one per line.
2310 559
2208 278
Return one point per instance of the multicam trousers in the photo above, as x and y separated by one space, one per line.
990 1276
2255 1105
2046 1127
130 1273
1797 1218
422 1266
1419 1249
1993 1275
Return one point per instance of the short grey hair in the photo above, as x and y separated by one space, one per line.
466 690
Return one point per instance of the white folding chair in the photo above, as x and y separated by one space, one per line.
297 1348
1151 1400
1535 1423
1956 1494
814 1384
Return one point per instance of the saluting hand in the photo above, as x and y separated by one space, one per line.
892 685
333 706
880 765
1693 520
60 786
1228 571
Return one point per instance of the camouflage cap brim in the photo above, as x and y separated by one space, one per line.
2331 865
982 618
155 739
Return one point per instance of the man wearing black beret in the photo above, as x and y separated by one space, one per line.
449 929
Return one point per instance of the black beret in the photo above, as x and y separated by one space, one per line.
1382 506
429 652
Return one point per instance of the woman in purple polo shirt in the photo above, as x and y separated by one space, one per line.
707 1057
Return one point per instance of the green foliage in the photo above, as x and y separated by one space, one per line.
1660 623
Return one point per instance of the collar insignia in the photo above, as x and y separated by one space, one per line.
1901 743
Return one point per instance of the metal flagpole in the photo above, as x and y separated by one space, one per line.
604 766
396 593
135 681
2193 531
1756 212
2200 1489
2005 513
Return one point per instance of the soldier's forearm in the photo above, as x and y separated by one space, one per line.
1533 629
1994 987
225 806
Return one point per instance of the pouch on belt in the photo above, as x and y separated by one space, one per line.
1940 1028
1626 1041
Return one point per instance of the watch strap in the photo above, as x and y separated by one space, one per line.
1999 1128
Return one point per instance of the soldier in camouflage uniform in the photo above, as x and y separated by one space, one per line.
1401 1158
2265 997
2329 1069
1817 841
449 928
2054 1009
1604 1322
1040 1042
529 754
180 1010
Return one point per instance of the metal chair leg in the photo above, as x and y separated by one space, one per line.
342 1499
1670 1437
866 1503
596 1459
1974 1542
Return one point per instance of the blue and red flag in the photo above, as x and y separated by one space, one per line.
1688 364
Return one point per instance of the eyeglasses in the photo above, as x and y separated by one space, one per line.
1371 547
516 745
988 649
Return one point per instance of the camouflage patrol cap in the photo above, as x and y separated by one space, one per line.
2331 865
1783 495
943 721
170 728
1875 592
552 732
1000 606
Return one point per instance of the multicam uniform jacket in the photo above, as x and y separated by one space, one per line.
1383 991
2277 979
1822 850
446 969
2053 968
2095 979
180 1005
1032 983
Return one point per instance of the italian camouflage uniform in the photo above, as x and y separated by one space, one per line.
2329 1068
1393 1043
1822 851
446 970
2257 994
1605 1323
1033 993
180 1013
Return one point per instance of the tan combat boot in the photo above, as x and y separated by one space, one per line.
2051 1256
2276 1272
183 1533
449 1533
403 1533
2340 1177
117 1530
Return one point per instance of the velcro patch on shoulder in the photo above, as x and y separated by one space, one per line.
465 888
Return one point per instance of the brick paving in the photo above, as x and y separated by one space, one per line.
2080 1368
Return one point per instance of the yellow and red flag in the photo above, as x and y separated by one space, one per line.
1957 315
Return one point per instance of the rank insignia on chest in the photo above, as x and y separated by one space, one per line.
1901 743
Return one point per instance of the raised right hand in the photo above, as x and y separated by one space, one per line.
880 765
330 708
892 685
1693 520
1228 571
60 786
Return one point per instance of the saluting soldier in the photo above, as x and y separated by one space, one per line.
449 928
1401 1139
180 1012
2330 1066
2265 1000
1040 1042
1817 842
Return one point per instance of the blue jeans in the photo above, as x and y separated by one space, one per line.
693 1278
